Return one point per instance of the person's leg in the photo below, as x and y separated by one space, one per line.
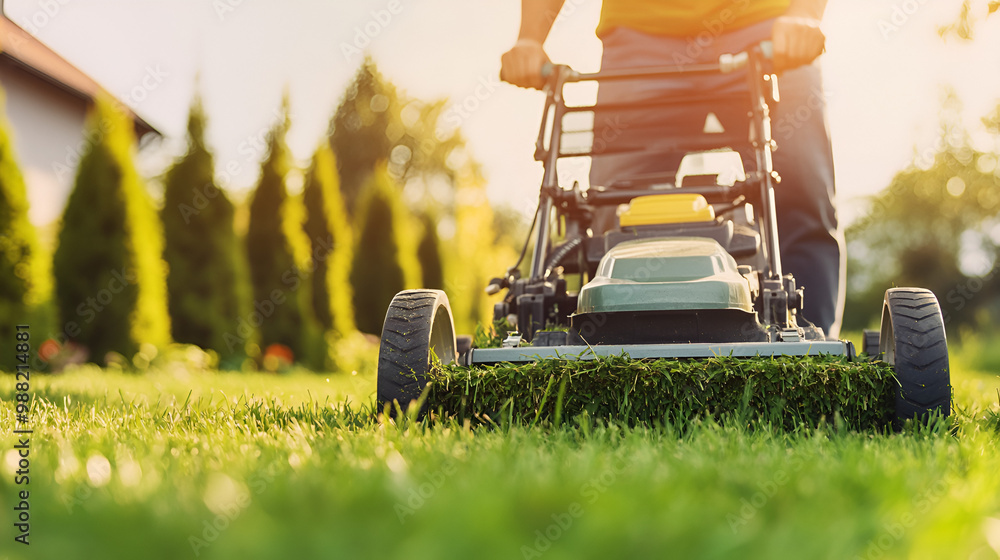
639 142
625 140
810 238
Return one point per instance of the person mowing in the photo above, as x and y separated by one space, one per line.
656 33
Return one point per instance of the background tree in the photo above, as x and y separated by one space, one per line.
429 254
478 252
964 26
935 226
200 247
425 157
364 129
384 261
329 235
18 245
275 251
376 125
110 277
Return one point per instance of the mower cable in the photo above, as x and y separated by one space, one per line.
527 240
561 253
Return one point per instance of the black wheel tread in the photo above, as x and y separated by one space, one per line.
869 343
404 353
921 353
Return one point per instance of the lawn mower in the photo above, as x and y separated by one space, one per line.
691 269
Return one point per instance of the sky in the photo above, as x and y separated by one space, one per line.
885 69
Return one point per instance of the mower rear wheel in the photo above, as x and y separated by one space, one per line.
913 342
869 343
463 343
417 326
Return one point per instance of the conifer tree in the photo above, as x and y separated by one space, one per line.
108 267
18 245
200 247
384 263
329 235
429 254
275 275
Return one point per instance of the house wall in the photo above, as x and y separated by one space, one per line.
47 124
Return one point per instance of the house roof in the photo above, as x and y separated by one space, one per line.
20 47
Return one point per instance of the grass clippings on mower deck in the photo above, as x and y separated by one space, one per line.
783 391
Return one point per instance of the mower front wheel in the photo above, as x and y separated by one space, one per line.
913 342
418 326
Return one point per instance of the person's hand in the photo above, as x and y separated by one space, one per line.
797 41
522 65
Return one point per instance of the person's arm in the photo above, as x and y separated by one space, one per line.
797 37
522 64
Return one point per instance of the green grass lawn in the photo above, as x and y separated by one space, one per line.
177 464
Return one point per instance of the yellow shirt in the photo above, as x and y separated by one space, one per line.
684 18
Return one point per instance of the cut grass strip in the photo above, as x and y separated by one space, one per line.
783 391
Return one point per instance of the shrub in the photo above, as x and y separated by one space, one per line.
18 246
110 278
429 255
275 275
329 234
383 262
200 247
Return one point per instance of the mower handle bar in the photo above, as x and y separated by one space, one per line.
727 64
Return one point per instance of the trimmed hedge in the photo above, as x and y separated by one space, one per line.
785 391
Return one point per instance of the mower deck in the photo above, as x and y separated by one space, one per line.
647 351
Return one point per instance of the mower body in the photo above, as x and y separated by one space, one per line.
687 260
689 269
664 274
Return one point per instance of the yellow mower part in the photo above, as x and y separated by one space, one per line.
676 208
